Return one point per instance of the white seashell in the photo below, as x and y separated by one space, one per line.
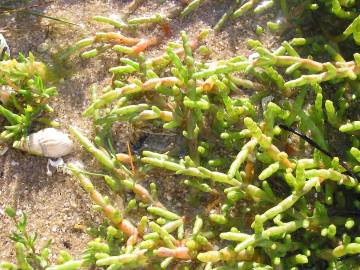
5 92
48 142
4 47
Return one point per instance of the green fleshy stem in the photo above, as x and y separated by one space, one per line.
192 6
286 203
350 127
70 265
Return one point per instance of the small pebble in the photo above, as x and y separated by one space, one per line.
14 163
43 47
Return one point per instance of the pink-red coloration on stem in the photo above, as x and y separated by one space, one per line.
127 227
143 44
179 253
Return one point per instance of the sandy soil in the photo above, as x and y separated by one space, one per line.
57 205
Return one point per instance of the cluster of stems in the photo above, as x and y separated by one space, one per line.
24 97
339 8
200 101
259 162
